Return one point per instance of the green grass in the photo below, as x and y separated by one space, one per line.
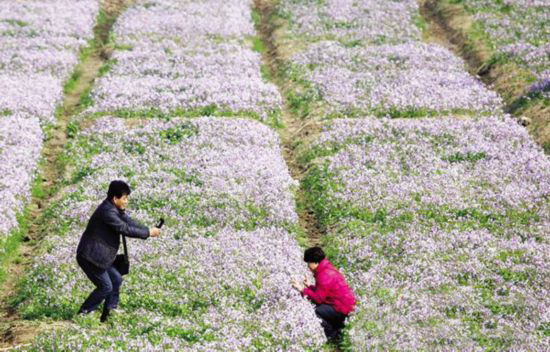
11 243
106 67
258 45
273 116
15 22
72 82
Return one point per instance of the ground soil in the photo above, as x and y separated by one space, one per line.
14 330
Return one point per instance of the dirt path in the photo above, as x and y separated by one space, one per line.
296 130
15 331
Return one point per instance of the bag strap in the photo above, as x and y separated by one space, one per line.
125 249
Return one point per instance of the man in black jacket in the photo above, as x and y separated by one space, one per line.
99 244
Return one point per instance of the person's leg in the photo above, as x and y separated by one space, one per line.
332 321
111 302
102 281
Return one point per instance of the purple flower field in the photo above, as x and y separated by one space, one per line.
375 64
20 143
403 77
187 56
434 204
444 226
519 29
369 21
40 42
223 187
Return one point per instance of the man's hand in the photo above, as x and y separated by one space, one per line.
154 232
297 285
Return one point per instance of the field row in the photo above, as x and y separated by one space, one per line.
187 58
520 32
40 44
368 58
444 224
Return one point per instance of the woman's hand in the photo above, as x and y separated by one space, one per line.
306 281
297 285
154 232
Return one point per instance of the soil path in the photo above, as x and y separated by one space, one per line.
15 331
296 130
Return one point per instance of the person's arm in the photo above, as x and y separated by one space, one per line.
131 221
130 229
319 292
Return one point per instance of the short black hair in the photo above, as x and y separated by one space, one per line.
314 255
118 188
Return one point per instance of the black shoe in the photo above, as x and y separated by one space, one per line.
335 339
104 315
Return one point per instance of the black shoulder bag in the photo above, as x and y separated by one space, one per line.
121 264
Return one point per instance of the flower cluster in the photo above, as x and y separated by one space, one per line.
20 144
519 30
186 56
40 42
443 224
369 21
219 274
384 71
403 77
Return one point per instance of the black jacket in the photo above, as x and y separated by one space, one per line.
100 241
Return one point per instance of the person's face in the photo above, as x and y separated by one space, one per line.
312 266
121 202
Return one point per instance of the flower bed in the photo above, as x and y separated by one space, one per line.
374 64
443 224
367 21
191 58
40 42
520 31
412 79
20 144
218 276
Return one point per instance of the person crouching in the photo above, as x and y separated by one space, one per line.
331 294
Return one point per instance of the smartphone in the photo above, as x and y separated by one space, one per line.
161 222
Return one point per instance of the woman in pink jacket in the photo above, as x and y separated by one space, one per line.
332 296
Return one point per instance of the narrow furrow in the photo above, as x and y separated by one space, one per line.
296 130
14 330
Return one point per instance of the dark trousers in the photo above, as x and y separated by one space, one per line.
107 283
332 321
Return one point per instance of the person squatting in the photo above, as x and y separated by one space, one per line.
100 242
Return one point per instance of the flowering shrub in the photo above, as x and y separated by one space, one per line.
443 224
40 42
518 29
194 58
219 274
368 59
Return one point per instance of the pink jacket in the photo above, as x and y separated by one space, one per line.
330 288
